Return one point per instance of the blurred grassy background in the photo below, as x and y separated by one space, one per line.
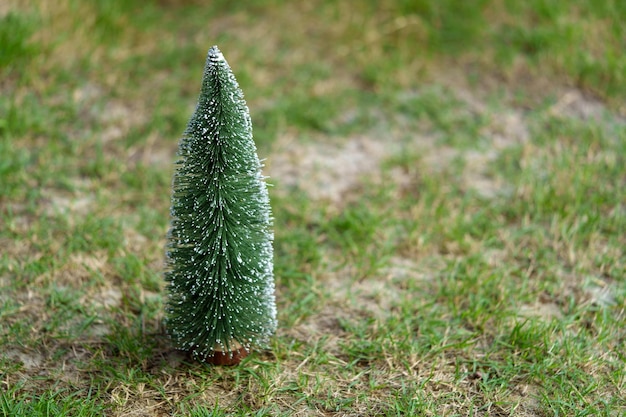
304 67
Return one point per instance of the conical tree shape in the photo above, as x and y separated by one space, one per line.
219 251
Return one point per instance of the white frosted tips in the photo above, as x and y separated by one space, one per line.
215 55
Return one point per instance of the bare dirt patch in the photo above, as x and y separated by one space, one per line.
326 170
545 311
575 104
331 171
30 359
79 268
326 325
375 296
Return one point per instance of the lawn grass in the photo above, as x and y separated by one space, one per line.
448 193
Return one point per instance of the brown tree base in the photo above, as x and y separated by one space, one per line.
227 358
222 358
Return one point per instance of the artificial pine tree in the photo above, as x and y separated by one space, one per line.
219 265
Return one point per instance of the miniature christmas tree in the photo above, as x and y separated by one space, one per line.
219 251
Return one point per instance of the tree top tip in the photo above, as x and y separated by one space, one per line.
215 54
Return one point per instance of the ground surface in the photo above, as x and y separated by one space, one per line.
448 193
